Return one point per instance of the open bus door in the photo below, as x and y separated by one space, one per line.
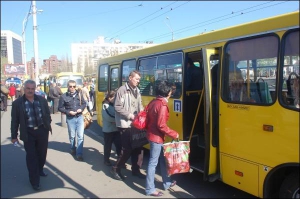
211 160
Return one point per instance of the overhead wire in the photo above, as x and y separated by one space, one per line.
142 19
153 18
236 13
28 13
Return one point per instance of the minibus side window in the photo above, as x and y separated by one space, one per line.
290 70
103 78
250 70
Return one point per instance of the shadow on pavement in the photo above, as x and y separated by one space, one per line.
14 174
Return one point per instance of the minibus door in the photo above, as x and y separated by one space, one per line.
210 160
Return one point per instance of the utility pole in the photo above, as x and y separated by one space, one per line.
24 48
35 43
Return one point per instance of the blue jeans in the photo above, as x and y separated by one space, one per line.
76 127
156 153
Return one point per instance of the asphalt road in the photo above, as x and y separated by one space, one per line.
69 178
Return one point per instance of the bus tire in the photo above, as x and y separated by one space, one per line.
290 186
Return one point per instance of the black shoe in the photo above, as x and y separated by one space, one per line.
79 158
73 151
107 163
123 166
115 174
42 173
139 174
36 187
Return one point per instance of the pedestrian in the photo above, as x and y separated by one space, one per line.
58 88
30 115
109 128
12 91
157 129
86 97
38 91
72 104
18 91
128 103
54 95
4 95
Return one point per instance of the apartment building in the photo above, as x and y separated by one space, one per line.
11 47
87 54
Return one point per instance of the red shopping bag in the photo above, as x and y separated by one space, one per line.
176 154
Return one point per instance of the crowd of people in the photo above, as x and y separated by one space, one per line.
31 122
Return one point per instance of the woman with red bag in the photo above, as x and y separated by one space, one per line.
157 129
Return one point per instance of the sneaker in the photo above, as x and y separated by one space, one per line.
116 174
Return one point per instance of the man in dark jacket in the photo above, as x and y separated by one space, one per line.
72 104
54 95
30 115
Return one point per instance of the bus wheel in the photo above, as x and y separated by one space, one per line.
290 186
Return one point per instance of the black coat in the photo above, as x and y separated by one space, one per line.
19 117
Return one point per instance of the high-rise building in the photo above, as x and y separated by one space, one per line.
11 47
87 54
51 65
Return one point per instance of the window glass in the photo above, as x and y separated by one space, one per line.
250 70
114 79
103 78
63 80
163 67
169 67
127 67
290 70
146 68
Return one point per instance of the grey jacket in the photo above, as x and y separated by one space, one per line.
19 117
122 106
108 118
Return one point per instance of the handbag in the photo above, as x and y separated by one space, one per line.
87 118
138 138
177 156
140 120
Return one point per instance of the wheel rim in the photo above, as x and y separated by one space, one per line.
296 194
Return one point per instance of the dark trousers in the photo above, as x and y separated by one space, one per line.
36 151
127 151
4 103
55 105
109 139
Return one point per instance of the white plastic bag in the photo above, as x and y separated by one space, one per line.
90 104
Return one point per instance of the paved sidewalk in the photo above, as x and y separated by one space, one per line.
67 177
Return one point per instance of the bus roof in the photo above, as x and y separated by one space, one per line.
279 22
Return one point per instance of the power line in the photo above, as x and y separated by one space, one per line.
154 18
236 13
142 19
28 13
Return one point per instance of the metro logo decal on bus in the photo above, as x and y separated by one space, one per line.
177 106
239 107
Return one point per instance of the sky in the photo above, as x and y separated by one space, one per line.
64 22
